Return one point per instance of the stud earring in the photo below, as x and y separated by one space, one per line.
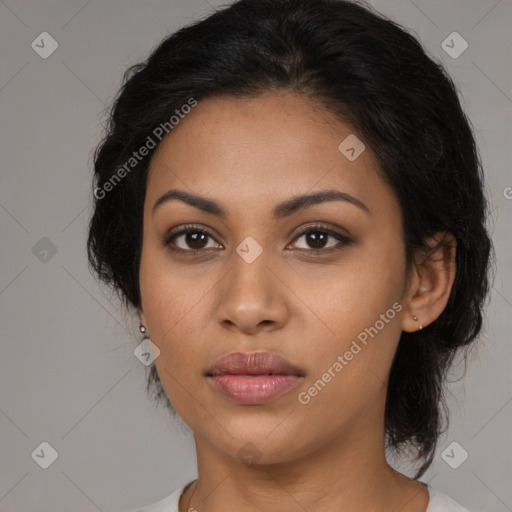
142 329
415 318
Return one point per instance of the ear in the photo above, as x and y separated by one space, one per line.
430 281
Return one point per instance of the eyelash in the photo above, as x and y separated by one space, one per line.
318 228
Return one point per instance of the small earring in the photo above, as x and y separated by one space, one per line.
415 318
142 329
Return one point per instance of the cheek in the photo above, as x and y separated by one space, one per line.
351 369
169 292
172 314
174 299
346 297
358 305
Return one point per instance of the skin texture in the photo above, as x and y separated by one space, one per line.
249 155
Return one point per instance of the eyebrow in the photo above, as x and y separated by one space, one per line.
282 210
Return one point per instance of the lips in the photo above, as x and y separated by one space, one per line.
253 363
253 378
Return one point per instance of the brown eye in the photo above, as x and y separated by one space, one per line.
316 239
195 239
189 239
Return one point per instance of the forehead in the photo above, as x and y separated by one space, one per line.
255 152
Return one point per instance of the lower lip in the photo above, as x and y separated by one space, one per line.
254 389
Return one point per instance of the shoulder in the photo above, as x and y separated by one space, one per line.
167 504
440 502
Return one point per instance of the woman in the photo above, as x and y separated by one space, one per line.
290 197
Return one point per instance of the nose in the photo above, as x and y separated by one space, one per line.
251 298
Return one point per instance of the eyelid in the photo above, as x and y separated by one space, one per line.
343 239
322 227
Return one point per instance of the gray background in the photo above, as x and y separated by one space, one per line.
68 375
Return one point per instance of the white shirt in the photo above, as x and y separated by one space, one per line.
439 502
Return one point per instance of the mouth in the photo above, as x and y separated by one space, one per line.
253 389
253 378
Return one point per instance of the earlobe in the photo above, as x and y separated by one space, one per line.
431 282
142 318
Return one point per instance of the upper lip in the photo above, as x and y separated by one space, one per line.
253 363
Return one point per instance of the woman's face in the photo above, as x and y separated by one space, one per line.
250 282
